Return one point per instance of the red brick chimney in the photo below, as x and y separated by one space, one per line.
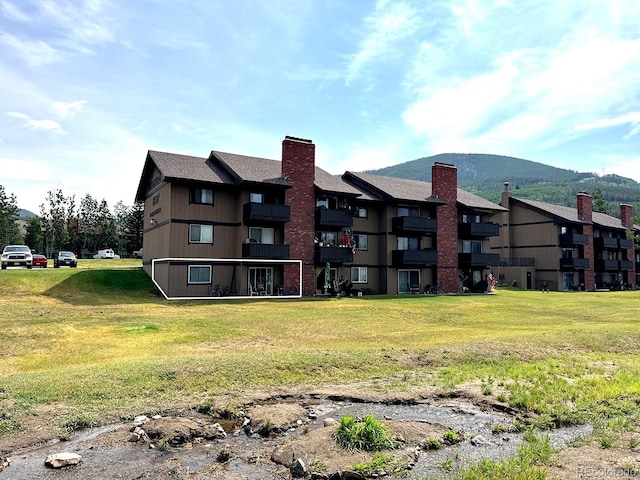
626 215
298 168
444 185
585 207
585 214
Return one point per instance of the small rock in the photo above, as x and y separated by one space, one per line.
350 475
4 462
283 455
330 422
140 420
319 476
298 468
63 459
313 416
480 441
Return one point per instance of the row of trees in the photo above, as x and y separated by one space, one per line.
83 228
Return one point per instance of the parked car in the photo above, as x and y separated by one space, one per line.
65 259
40 261
106 253
137 253
17 256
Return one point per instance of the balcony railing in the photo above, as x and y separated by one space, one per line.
626 243
626 265
333 255
265 212
574 263
427 258
607 265
479 259
327 217
265 250
605 242
478 230
414 224
573 239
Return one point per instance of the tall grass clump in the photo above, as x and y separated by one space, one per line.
369 434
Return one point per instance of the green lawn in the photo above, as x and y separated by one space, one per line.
94 343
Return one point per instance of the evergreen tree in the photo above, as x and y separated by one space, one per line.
8 217
599 203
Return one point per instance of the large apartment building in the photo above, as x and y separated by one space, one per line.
255 226
562 248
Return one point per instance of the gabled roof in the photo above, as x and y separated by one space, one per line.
381 187
327 183
174 166
567 214
251 169
570 214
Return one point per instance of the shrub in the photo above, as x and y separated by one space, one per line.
369 434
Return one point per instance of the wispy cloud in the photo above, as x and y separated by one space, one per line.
64 110
10 10
35 52
36 125
391 22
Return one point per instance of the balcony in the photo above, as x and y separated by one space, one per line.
605 242
479 259
626 243
626 265
414 225
573 239
327 217
425 258
333 255
607 265
265 250
265 213
574 263
478 230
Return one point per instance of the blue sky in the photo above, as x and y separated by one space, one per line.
87 87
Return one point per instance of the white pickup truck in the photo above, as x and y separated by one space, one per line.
137 253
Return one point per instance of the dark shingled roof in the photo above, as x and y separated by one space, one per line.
571 214
418 191
174 166
251 169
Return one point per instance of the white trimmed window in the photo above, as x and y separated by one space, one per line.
358 274
199 274
361 242
200 233
256 198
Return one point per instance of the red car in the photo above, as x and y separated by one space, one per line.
39 261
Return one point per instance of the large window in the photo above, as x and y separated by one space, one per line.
256 198
201 195
262 235
201 233
469 246
408 279
408 212
361 241
358 274
471 218
408 243
199 274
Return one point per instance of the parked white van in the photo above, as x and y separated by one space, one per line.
106 253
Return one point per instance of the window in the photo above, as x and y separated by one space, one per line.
471 218
256 198
328 239
199 274
408 243
408 212
262 235
408 279
201 195
201 233
360 241
358 274
469 246
361 212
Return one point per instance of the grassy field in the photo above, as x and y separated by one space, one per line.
95 343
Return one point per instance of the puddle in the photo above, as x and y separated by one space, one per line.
117 458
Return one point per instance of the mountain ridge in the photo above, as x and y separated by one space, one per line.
485 175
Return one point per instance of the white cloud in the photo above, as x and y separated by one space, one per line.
35 52
22 169
13 12
63 110
36 125
389 23
632 119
